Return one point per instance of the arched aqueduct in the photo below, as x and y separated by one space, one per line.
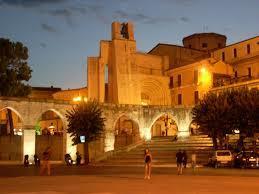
30 110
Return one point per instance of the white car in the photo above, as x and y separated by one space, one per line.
221 158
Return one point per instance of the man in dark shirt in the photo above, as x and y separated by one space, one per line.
179 161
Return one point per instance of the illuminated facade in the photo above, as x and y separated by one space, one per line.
205 63
143 95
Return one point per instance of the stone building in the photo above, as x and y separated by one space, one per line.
169 74
144 95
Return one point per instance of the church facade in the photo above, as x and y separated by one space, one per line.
169 74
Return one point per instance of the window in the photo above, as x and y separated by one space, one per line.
171 84
248 48
195 78
235 52
179 99
190 46
219 45
249 72
179 80
235 74
223 56
196 97
204 45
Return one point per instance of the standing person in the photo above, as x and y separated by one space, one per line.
193 160
179 161
185 158
45 163
147 160
78 158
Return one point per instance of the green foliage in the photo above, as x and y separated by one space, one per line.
14 69
85 119
37 129
220 114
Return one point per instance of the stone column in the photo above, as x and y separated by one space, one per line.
184 119
29 141
109 141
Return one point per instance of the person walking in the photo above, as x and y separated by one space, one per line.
147 160
45 162
185 158
179 161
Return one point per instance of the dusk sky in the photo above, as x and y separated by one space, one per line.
60 34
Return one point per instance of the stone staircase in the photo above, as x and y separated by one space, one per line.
163 150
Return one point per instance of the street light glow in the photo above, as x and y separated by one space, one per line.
79 99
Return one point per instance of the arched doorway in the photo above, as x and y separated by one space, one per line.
10 135
164 126
49 133
126 132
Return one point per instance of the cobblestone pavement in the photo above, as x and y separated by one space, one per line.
129 184
127 180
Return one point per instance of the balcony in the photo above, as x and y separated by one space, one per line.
225 81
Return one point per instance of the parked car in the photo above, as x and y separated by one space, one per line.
221 158
246 159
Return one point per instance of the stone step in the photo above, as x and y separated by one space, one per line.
163 150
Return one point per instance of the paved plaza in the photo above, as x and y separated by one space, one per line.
127 180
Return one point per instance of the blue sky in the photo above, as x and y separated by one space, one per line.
60 34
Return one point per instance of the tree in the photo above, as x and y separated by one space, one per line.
210 114
220 114
14 69
244 110
85 119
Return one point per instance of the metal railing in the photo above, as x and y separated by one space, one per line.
229 81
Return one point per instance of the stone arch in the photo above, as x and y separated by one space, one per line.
126 131
15 111
154 91
19 118
50 132
11 131
164 124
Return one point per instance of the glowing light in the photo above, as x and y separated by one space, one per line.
17 132
205 76
79 99
144 103
145 133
